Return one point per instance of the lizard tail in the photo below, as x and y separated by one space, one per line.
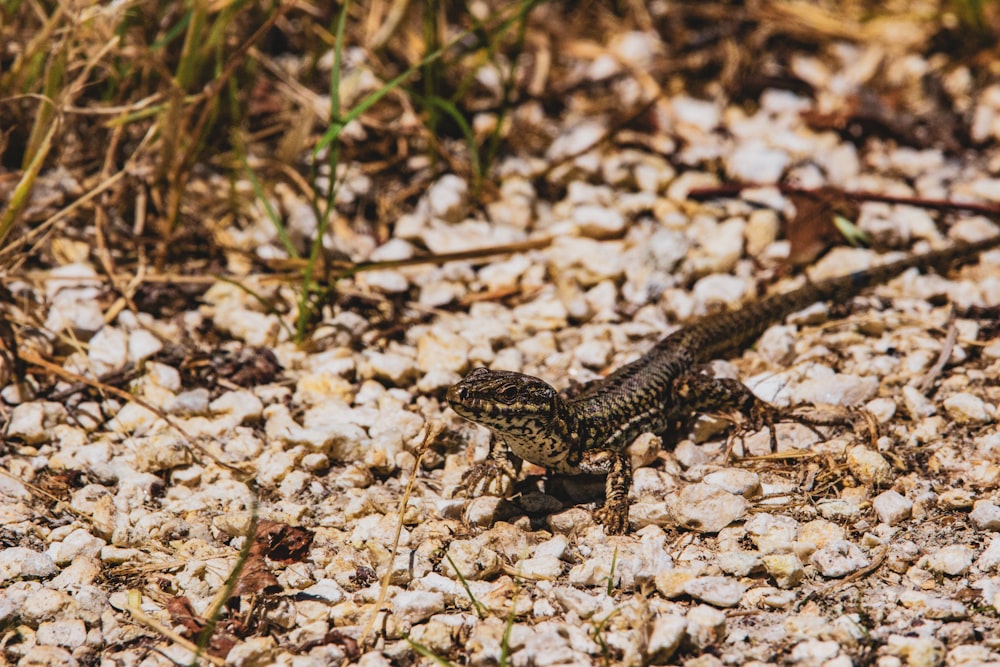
715 334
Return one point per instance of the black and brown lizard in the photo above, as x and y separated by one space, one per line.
588 432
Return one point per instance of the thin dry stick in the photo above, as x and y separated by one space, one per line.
430 436
946 347
55 369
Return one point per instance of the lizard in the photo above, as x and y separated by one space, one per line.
587 431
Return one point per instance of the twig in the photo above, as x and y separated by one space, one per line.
55 369
946 347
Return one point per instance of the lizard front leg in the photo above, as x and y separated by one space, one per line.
618 468
495 476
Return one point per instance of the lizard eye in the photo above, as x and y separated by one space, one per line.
508 394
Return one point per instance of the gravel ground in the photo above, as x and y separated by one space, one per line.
123 520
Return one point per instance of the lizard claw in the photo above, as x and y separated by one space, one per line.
614 517
489 478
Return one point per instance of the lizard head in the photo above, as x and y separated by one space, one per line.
504 400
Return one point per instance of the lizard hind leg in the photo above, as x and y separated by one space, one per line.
700 392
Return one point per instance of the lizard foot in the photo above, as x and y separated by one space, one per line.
489 478
614 517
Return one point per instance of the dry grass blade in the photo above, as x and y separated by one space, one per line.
22 193
430 436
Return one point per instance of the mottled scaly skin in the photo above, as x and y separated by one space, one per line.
587 432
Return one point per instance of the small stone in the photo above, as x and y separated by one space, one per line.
869 466
755 162
391 366
736 481
891 507
665 637
706 626
48 656
739 563
442 350
967 408
839 508
883 409
671 583
816 534
761 230
448 198
916 404
108 350
415 606
76 544
777 344
540 568
142 344
958 499
594 353
839 559
707 508
599 222
815 652
472 560
916 651
689 455
162 451
838 389
990 558
20 562
786 569
953 560
27 423
985 515
716 591
772 533
69 633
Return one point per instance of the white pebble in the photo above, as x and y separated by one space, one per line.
785 568
142 344
707 508
665 637
27 423
391 366
76 544
540 568
706 625
21 562
990 560
838 389
953 560
754 162
439 350
448 197
735 480
839 559
985 515
716 591
68 633
891 507
739 563
599 222
916 404
868 466
967 408
772 533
